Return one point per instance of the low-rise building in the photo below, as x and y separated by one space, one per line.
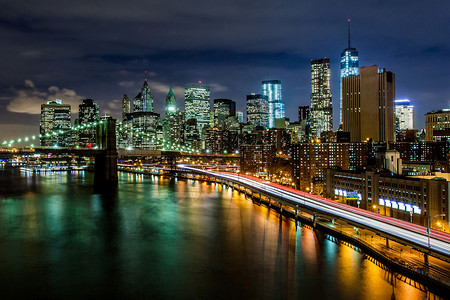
412 199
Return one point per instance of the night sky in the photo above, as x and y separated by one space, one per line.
74 50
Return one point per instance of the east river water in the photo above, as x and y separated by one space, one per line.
166 238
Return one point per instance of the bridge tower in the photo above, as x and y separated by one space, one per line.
105 169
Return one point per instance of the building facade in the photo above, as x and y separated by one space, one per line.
223 108
402 197
368 105
258 110
55 116
88 113
321 109
349 67
257 159
197 104
303 113
240 116
310 160
126 106
173 121
436 122
404 114
421 151
272 90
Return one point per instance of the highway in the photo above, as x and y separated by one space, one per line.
411 233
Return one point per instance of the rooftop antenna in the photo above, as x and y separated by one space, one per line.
348 22
145 75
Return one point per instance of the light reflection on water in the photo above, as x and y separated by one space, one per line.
167 238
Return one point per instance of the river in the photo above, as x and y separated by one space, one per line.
167 238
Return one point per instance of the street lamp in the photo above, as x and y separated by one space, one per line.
429 229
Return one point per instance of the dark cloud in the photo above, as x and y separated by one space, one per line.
101 49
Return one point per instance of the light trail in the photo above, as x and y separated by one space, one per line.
440 242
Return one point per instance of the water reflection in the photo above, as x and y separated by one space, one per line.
167 238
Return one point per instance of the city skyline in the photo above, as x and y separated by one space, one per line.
55 59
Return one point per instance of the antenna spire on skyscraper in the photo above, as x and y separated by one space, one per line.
348 22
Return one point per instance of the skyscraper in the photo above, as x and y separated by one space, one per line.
321 109
146 98
349 66
258 110
88 113
197 103
272 89
240 116
126 106
172 121
137 103
143 102
223 108
171 102
404 112
303 113
368 105
54 116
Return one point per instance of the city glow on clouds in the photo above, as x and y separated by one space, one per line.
29 100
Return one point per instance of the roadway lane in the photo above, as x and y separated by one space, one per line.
439 242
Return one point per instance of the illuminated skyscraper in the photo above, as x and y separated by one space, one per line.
137 104
349 67
223 108
272 89
368 105
88 113
146 98
171 102
404 112
258 110
126 106
172 121
54 116
321 109
197 103
303 113
240 116
143 102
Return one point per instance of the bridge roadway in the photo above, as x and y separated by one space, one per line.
398 230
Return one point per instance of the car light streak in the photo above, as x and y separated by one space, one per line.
440 242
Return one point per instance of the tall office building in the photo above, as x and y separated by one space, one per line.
258 110
404 113
223 108
126 106
88 113
437 124
321 109
54 116
349 66
143 102
172 121
137 103
197 103
303 113
368 105
240 116
171 102
272 89
146 98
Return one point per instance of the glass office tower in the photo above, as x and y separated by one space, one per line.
272 89
349 67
